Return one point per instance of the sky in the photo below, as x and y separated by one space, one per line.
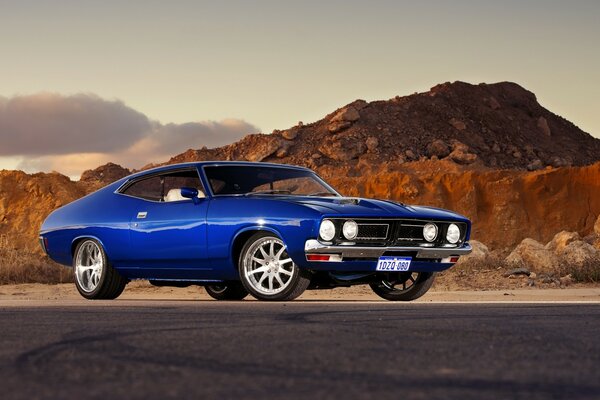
86 82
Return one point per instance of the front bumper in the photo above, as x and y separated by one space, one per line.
313 246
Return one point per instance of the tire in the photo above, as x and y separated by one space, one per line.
227 291
402 286
95 278
264 265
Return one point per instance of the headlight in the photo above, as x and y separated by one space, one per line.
453 234
350 230
327 230
430 232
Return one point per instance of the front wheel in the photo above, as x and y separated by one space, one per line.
227 291
95 278
402 286
268 272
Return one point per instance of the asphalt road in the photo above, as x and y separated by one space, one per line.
206 349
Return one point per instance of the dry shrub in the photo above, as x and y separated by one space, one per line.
587 271
27 266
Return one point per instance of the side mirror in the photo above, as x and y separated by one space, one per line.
190 193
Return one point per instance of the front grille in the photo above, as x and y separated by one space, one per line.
397 232
372 231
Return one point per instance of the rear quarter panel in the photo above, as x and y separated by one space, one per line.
103 215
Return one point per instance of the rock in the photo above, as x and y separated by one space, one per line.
264 149
284 150
372 144
597 226
532 275
343 149
543 125
316 156
566 280
461 155
496 148
534 255
517 271
480 252
561 240
494 105
578 253
517 154
438 148
343 119
535 165
457 124
410 155
290 134
558 162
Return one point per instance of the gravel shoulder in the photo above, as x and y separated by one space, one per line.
23 293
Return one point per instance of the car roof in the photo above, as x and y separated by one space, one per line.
200 164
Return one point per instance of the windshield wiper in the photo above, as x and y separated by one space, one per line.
322 194
268 192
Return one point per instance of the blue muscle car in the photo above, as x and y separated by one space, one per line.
235 228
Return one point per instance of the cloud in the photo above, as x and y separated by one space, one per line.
48 123
72 133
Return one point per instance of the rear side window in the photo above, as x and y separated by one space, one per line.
149 189
158 187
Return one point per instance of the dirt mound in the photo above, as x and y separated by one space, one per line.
103 175
497 125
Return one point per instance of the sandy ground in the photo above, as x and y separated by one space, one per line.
142 290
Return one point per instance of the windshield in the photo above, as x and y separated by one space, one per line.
259 180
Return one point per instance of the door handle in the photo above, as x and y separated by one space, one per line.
142 214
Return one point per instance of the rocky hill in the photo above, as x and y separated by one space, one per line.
498 125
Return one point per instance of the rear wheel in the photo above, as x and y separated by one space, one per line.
268 272
402 286
227 291
95 278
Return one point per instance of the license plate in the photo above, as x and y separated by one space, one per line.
393 263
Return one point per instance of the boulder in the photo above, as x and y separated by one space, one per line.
534 255
597 226
480 252
578 253
372 144
561 240
461 154
535 165
438 148
263 149
343 119
290 134
343 149
457 124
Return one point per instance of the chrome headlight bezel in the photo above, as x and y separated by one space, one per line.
453 234
350 229
327 230
430 232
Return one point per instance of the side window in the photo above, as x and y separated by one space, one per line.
175 181
166 187
149 189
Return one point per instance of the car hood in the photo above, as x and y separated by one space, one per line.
370 208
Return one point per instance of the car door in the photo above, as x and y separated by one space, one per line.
168 231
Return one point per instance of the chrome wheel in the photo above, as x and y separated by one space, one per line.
267 267
89 266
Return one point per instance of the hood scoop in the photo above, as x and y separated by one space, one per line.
348 200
